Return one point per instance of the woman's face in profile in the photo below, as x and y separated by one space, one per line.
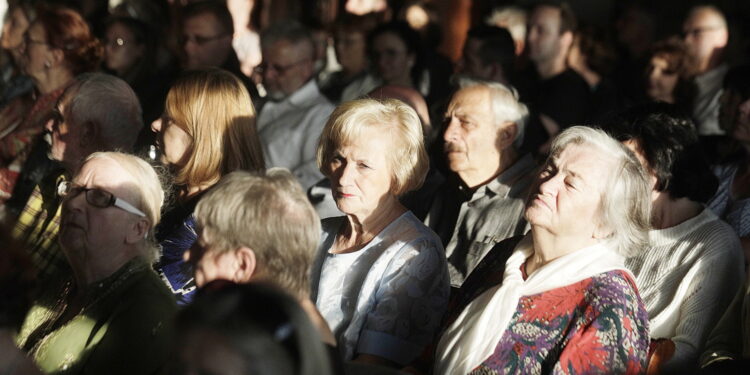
360 172
173 142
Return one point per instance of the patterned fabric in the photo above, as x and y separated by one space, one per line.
176 234
733 211
386 299
18 135
37 227
597 325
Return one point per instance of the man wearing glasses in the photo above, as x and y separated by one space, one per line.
207 31
290 123
80 126
706 36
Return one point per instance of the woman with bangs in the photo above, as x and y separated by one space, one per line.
207 130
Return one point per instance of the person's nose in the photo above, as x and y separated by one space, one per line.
346 174
549 185
156 125
451 130
50 125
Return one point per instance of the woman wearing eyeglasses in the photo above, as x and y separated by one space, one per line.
113 315
130 52
207 131
56 47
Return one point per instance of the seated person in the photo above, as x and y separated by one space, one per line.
198 152
79 127
693 265
258 227
112 315
379 264
481 202
732 199
560 300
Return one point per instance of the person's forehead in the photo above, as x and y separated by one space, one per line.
105 173
546 16
703 18
476 95
202 23
284 51
389 40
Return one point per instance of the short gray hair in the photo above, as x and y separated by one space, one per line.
270 214
505 105
625 203
291 31
110 104
149 193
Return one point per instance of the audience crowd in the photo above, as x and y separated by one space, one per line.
205 187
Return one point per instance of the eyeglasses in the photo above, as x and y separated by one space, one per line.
116 42
96 197
201 40
279 69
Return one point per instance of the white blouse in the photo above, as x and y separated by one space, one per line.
388 298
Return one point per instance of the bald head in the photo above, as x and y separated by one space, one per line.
706 35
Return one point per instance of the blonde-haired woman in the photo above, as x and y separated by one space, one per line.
207 130
380 277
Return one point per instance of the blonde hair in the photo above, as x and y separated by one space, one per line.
408 159
268 213
149 193
214 108
625 203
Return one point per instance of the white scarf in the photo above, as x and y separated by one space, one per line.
474 335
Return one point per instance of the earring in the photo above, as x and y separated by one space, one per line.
47 64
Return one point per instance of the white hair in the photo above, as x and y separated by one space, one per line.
505 105
625 204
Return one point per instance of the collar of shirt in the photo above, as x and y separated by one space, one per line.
501 184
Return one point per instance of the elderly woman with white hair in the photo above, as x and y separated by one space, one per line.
560 300
380 277
113 315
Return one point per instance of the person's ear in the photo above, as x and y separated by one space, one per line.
138 231
566 39
506 135
246 265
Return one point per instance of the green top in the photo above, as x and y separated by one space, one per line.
125 326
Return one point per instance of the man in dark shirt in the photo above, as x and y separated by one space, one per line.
561 97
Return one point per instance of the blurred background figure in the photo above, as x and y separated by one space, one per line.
706 36
13 80
593 57
395 54
512 18
354 79
290 122
130 52
667 76
247 329
199 152
732 199
488 55
56 47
